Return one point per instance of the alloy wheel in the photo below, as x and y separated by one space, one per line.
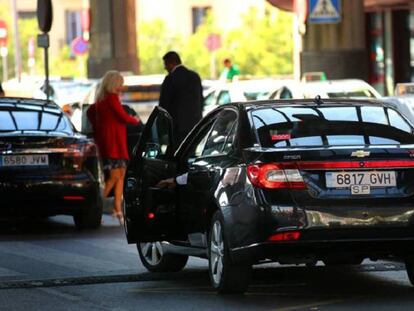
216 252
152 252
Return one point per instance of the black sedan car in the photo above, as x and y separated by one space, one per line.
287 181
46 167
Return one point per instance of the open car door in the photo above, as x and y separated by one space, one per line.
150 212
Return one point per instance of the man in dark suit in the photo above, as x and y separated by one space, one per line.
181 95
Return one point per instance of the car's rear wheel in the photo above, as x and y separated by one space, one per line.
226 276
91 216
154 258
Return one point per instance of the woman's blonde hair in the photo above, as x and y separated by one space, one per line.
111 81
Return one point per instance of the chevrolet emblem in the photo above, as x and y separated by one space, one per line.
360 154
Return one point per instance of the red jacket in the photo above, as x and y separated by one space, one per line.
109 121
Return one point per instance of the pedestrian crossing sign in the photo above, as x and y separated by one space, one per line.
324 11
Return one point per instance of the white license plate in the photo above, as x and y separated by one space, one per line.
360 189
25 160
367 178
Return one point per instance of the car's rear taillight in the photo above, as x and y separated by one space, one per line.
284 236
275 176
75 155
73 198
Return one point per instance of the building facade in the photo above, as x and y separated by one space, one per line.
387 29
390 43
183 16
67 20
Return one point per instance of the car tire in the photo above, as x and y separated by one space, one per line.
226 276
154 258
91 217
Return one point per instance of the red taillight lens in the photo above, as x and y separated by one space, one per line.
285 236
356 164
73 198
77 154
274 176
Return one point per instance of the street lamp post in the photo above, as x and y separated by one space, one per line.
44 19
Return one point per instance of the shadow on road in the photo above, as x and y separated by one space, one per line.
52 227
332 284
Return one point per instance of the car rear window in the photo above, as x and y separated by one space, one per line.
330 126
22 118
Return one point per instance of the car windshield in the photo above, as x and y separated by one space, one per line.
330 126
33 119
256 95
352 94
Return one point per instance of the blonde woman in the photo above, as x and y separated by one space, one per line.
109 120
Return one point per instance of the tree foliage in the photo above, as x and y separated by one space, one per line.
262 46
153 42
28 31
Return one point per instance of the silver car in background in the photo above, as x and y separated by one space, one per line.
344 88
404 104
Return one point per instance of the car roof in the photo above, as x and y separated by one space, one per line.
310 88
343 84
404 99
25 100
246 85
312 103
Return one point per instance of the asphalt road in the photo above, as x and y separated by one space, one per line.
49 265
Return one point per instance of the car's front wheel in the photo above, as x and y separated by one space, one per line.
154 258
226 276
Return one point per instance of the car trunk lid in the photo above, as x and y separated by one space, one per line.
24 154
346 175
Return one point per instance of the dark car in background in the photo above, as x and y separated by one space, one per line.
287 181
46 167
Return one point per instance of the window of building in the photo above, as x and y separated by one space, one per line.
73 25
198 16
27 14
